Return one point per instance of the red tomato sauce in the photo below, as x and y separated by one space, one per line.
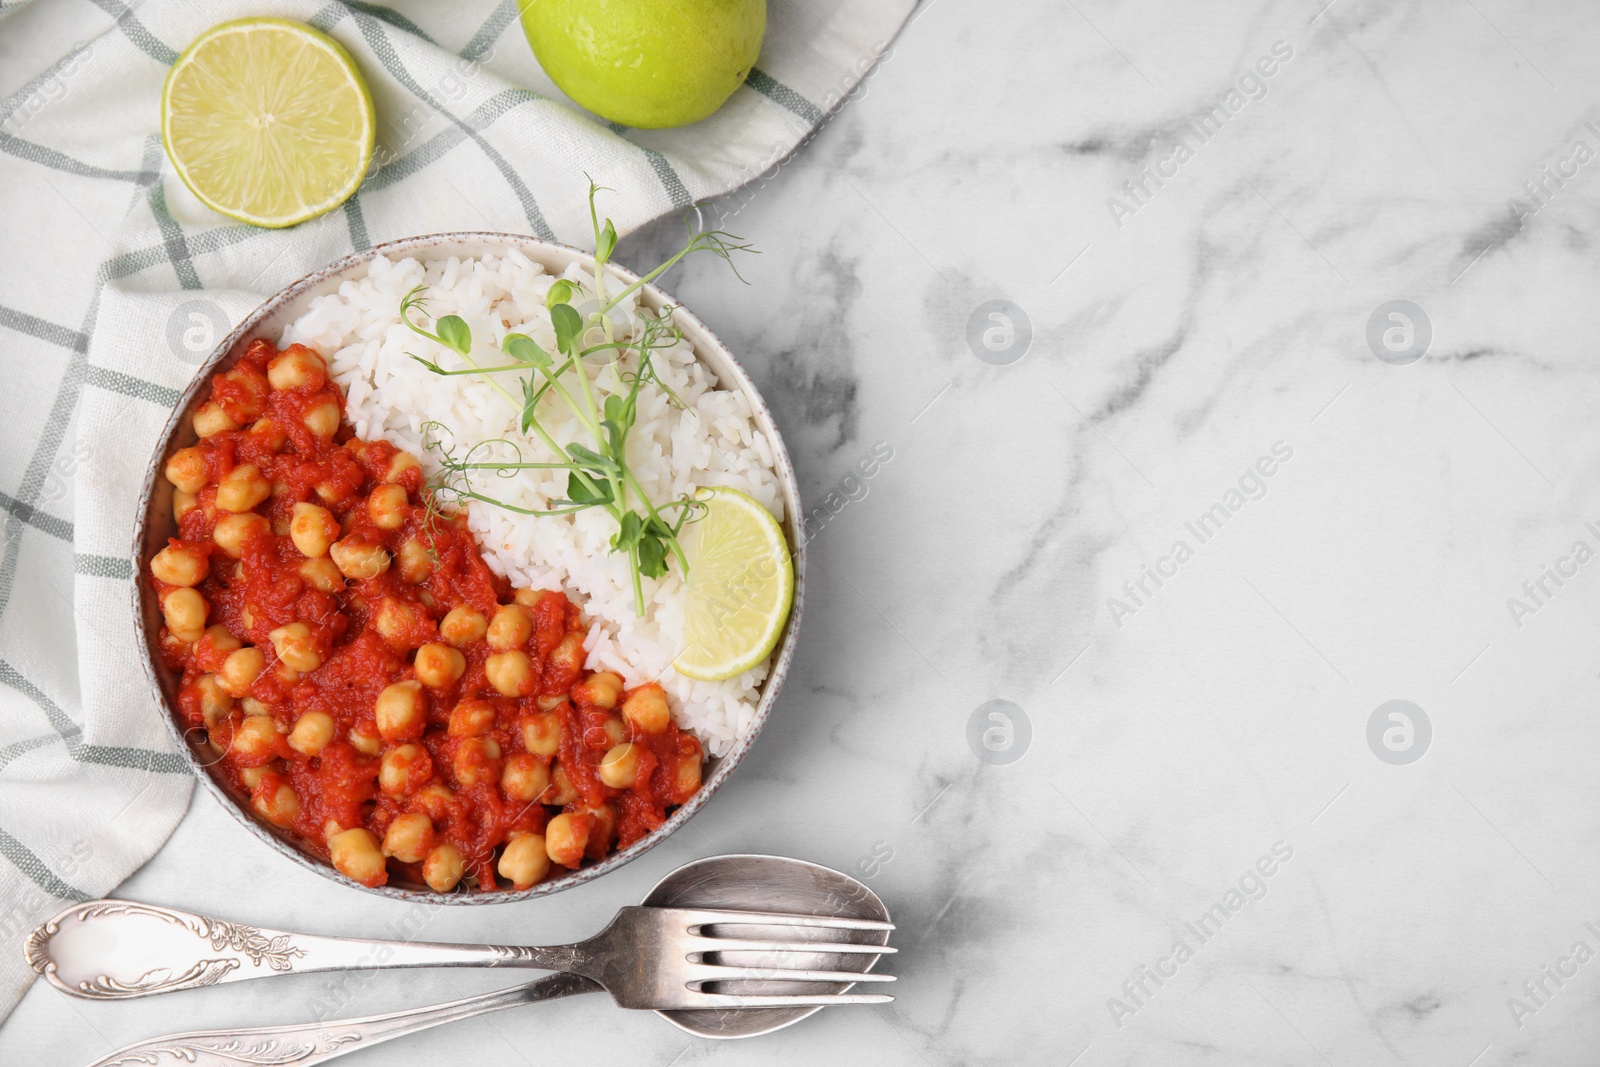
336 658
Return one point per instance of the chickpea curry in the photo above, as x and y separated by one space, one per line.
362 675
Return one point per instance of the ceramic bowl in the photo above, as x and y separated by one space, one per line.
155 524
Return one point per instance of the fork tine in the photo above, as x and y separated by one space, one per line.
739 944
707 917
716 973
730 1000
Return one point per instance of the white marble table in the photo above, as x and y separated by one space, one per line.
1180 733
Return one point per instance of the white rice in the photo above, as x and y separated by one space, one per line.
713 440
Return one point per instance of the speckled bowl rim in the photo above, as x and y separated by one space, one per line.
154 523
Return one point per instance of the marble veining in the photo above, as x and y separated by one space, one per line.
1439 909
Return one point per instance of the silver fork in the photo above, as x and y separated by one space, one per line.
647 957
651 958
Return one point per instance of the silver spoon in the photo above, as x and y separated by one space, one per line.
768 977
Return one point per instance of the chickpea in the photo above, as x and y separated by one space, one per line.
443 868
439 665
511 627
256 739
604 831
322 575
312 733
460 627
529 598
686 778
387 506
365 740
240 670
398 465
525 777
437 800
359 559
599 690
509 672
297 368
232 531
280 806
186 469
477 761
182 504
415 563
212 419
296 647
180 565
268 435
397 623
566 837
220 640
409 838
541 733
550 701
524 862
313 529
332 492
214 703
242 488
619 768
185 613
252 394
615 729
646 708
403 768
568 655
471 718
251 776
252 706
322 420
401 711
355 854
561 791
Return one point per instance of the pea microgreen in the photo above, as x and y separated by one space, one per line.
597 469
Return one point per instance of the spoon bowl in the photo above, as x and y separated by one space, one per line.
771 883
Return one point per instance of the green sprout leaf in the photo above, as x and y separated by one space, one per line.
530 401
589 459
455 333
607 243
628 531
525 349
568 324
561 292
652 556
578 493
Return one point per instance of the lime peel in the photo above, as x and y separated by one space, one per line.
649 64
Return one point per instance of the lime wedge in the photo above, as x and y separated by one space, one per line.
268 121
740 587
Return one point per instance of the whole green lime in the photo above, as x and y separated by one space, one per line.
646 63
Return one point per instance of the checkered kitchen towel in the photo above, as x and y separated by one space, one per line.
115 283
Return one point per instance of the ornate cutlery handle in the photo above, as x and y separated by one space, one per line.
125 949
304 1045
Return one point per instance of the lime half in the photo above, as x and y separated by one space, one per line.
268 121
740 587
